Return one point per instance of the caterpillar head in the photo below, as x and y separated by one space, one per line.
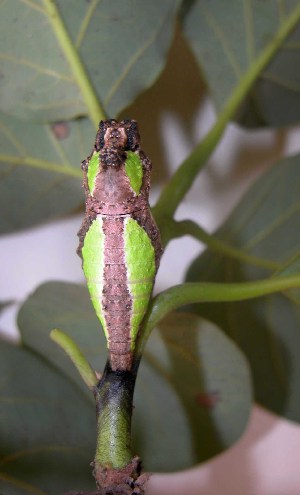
122 135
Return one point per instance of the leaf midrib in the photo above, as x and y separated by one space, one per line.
41 164
95 111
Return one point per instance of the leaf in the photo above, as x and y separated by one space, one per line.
68 308
122 45
46 429
193 393
266 225
40 169
228 39
212 386
292 267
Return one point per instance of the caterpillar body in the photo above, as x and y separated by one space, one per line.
119 242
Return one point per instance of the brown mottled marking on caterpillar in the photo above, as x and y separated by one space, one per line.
117 301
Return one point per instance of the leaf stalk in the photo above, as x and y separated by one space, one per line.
194 292
95 111
78 359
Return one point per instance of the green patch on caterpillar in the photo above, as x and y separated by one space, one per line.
93 266
92 171
140 262
134 171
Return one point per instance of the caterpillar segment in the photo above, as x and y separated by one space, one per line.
119 241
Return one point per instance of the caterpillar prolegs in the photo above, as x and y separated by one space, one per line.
119 241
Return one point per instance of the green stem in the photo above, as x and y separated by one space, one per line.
184 177
78 359
188 227
191 293
95 111
114 395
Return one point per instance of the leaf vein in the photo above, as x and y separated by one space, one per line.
41 164
85 23
262 235
36 450
36 67
21 484
255 204
126 70
249 31
220 35
58 147
12 138
34 6
279 81
54 104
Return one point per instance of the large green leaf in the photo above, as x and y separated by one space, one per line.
40 169
266 225
47 428
68 308
193 392
227 39
213 392
122 44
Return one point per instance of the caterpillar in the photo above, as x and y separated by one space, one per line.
119 242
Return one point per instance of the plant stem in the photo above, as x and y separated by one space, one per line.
201 292
96 113
114 396
188 227
78 359
184 177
